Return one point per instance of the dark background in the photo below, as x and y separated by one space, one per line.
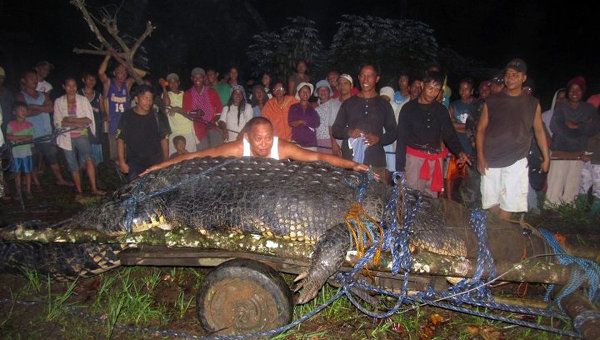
557 39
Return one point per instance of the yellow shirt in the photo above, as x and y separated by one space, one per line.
180 125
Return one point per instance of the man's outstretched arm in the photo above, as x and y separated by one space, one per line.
233 149
292 151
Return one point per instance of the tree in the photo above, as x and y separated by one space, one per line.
392 45
277 52
121 46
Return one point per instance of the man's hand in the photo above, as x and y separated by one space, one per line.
151 169
297 123
372 139
354 133
571 124
361 168
336 150
546 165
124 167
481 165
463 158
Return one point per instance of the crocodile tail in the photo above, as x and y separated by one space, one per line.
59 260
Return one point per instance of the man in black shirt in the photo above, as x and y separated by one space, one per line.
367 120
424 126
142 136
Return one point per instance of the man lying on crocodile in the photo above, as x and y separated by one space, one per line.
259 141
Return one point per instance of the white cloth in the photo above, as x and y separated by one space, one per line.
507 187
546 118
564 177
274 148
590 177
44 86
390 149
230 117
327 113
84 110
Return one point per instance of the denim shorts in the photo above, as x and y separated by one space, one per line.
22 164
79 153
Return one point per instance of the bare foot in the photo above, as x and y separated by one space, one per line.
65 183
98 192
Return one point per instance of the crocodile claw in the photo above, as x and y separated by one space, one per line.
329 254
301 276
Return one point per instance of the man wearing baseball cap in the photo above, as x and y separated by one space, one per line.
503 140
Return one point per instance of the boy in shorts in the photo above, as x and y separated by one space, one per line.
17 131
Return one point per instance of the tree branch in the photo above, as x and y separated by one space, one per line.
92 52
147 33
80 4
126 54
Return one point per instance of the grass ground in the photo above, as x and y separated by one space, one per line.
117 304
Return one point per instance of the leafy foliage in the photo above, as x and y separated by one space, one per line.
391 44
277 52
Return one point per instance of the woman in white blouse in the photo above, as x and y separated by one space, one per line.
236 114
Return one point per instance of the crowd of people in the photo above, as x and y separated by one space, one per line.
494 134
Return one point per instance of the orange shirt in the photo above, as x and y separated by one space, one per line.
278 115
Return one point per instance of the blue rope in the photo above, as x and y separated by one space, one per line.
137 195
474 291
584 271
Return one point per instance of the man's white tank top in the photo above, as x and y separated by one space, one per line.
274 148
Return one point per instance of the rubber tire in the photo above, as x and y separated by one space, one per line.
264 301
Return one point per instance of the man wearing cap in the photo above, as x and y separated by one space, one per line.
424 126
172 98
365 122
43 69
116 95
303 119
206 103
503 140
327 110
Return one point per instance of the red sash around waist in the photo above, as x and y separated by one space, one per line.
437 181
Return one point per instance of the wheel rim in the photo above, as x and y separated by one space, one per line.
235 305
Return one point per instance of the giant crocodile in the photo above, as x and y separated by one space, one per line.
258 205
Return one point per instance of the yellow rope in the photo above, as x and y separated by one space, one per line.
355 222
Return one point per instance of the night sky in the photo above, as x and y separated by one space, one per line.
557 39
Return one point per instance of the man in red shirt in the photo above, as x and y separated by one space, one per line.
206 106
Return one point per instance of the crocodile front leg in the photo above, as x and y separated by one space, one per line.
330 252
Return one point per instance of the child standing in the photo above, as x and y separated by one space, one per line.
20 130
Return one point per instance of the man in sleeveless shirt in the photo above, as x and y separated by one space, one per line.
116 94
259 141
39 106
503 140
